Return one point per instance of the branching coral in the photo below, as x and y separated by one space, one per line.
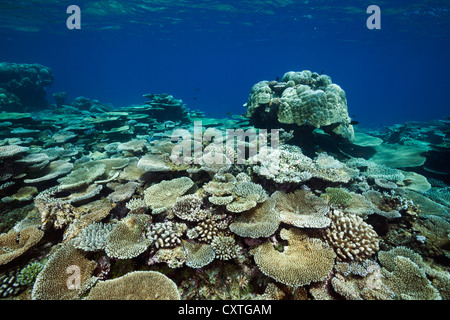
225 247
166 234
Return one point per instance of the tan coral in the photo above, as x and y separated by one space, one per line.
351 237
303 261
66 275
302 209
162 196
136 285
13 244
261 221
198 254
127 239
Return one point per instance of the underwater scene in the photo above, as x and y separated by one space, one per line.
224 150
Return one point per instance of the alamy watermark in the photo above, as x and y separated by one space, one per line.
74 20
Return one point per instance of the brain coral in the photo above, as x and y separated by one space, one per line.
162 196
303 261
351 237
302 98
137 285
52 283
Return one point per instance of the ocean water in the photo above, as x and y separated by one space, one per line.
224 150
210 53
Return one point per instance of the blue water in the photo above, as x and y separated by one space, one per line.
210 53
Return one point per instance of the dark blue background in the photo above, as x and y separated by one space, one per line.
389 75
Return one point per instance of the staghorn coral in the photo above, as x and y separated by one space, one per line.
53 282
162 196
14 244
136 285
198 254
351 237
225 247
302 209
127 238
261 221
303 260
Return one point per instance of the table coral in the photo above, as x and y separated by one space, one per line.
136 285
304 260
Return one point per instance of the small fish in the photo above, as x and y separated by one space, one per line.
278 79
353 122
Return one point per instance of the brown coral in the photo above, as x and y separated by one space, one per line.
13 244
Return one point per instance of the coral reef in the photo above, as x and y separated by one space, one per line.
312 215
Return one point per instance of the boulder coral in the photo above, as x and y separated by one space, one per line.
302 98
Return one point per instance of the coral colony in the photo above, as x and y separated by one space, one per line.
156 201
